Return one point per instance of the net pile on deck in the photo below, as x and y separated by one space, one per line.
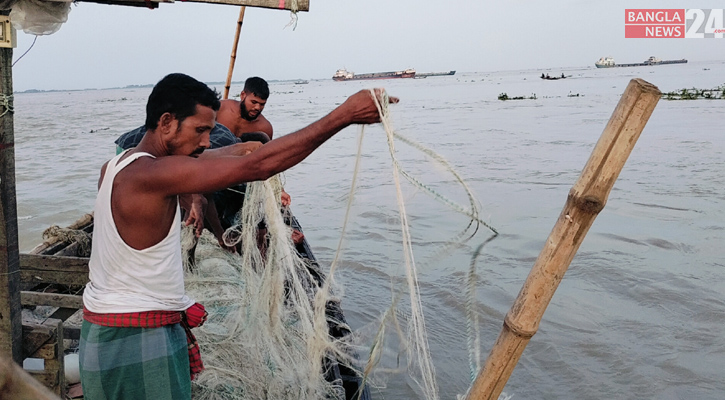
263 338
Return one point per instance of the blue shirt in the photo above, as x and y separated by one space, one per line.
219 136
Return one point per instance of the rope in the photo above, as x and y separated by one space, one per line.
26 51
420 339
70 235
472 327
294 9
473 212
6 102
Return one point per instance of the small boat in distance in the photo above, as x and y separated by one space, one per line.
427 74
608 62
301 82
552 78
345 75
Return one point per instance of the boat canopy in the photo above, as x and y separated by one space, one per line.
42 17
292 5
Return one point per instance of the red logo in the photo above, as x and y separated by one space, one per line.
654 23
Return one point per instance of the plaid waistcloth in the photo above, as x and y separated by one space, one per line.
152 319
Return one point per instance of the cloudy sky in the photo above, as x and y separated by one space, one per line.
107 46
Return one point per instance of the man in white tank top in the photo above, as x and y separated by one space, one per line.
135 341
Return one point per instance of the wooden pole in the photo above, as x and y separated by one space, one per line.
586 199
234 52
11 329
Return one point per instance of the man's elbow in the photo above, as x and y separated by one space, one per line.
263 171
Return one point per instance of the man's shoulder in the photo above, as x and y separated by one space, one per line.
260 124
228 104
265 125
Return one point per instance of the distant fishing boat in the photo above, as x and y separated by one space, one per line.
608 62
345 75
552 78
427 74
301 82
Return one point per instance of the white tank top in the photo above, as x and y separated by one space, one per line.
123 279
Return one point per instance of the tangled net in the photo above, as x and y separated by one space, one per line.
268 331
58 234
262 338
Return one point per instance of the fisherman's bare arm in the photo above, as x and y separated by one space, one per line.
180 174
238 149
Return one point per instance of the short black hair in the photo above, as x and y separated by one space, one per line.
258 136
257 86
178 94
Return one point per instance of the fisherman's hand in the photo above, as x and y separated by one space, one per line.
242 149
286 199
196 213
297 236
362 106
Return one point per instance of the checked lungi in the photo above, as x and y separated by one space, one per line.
147 355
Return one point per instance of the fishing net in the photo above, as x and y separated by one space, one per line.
268 331
262 338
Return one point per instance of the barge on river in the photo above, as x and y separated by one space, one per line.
608 62
345 75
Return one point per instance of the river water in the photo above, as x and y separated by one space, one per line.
639 313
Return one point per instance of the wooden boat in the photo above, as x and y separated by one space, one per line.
552 78
55 272
59 279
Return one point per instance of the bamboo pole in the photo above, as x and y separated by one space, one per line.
10 313
233 57
586 199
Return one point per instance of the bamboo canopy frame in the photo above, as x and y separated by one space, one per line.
233 57
292 5
586 199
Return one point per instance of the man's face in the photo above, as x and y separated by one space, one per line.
192 135
251 106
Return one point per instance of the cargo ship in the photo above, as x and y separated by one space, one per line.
427 74
345 75
608 62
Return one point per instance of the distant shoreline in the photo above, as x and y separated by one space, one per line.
220 83
149 85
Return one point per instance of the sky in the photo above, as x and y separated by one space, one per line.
104 46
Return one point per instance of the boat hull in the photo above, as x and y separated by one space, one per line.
427 74
336 370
